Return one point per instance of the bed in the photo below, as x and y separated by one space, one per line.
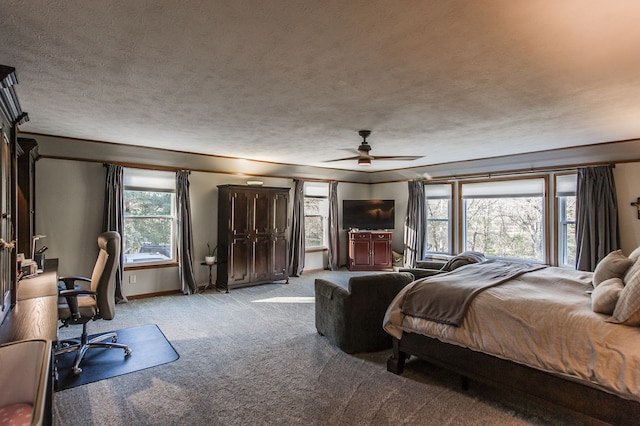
535 331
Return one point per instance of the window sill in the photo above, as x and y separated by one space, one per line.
151 266
315 249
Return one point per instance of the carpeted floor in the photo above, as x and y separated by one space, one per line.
253 357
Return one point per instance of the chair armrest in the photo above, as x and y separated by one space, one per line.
332 302
431 264
422 272
75 293
329 289
72 300
69 282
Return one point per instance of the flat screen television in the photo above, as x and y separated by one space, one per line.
368 214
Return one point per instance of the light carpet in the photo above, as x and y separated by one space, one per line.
253 357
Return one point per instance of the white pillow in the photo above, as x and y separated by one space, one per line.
613 265
627 309
635 254
605 296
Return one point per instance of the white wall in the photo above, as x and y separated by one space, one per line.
627 177
69 199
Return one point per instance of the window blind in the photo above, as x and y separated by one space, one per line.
504 188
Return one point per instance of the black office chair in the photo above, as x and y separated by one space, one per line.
79 306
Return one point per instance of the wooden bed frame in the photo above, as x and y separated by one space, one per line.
534 383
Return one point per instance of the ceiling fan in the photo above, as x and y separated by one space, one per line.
364 158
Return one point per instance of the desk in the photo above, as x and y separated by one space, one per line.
35 316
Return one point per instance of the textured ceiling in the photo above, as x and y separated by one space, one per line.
292 81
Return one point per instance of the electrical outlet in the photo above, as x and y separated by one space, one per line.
132 279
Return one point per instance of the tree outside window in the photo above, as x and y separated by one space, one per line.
566 194
149 220
438 226
316 213
505 218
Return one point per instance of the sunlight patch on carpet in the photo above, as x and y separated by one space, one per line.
155 400
282 299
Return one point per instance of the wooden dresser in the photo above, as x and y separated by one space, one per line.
369 251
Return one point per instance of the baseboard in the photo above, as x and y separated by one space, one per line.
311 271
160 293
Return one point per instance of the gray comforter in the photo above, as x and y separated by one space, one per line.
445 298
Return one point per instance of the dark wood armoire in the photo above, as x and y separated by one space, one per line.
253 242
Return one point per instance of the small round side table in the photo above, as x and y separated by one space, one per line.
210 284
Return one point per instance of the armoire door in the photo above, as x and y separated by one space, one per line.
279 242
240 245
260 214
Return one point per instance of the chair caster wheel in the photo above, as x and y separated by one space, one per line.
77 371
114 339
127 352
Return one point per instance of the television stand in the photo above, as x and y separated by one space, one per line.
369 251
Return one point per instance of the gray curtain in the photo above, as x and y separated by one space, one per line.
597 231
113 216
296 261
414 225
334 228
185 234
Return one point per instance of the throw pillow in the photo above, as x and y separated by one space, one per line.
606 295
464 258
635 254
614 265
627 309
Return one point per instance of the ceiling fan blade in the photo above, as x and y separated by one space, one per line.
365 158
342 159
397 157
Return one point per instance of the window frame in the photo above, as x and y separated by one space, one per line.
449 220
545 222
143 175
317 190
563 190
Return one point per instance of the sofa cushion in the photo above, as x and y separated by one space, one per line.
613 265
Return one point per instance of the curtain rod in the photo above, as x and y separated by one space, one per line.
516 172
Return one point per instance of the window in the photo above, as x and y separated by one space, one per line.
316 212
505 218
149 217
438 205
566 196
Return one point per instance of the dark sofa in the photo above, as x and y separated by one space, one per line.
350 313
